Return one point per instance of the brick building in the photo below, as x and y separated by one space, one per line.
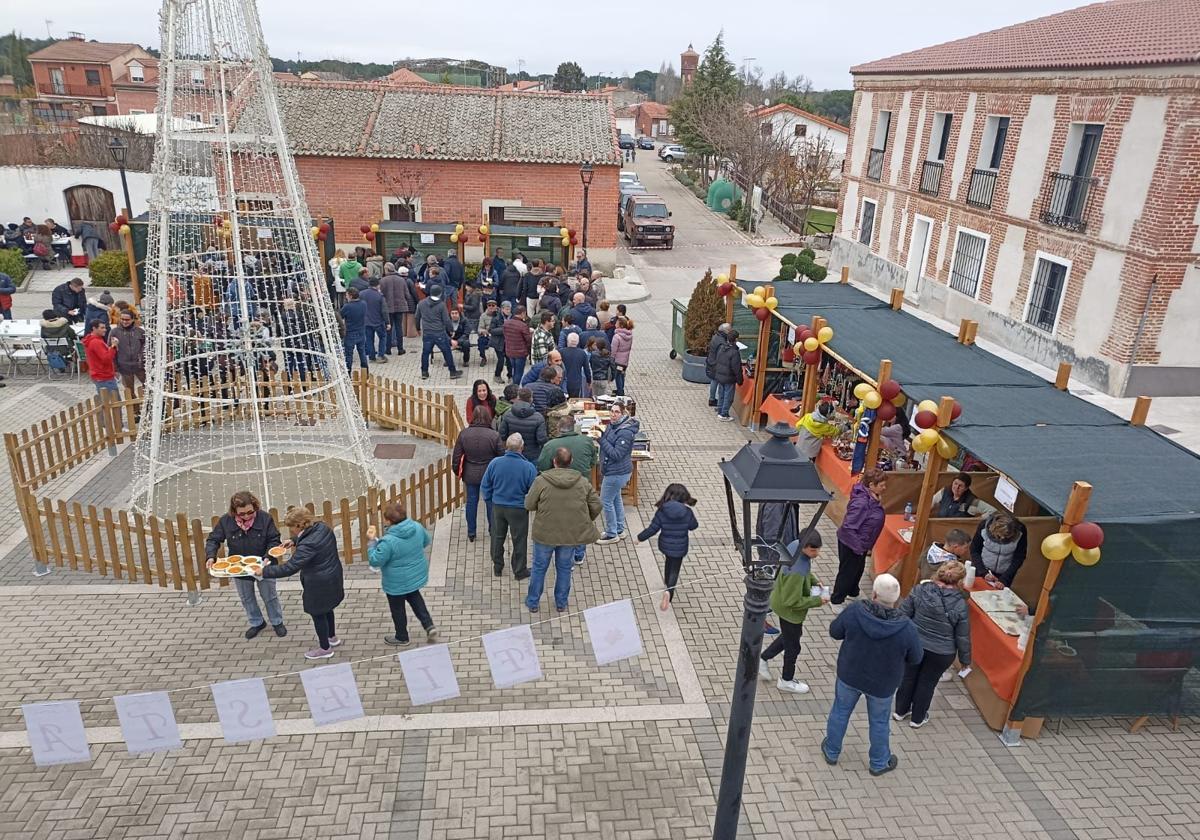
1044 180
75 72
652 119
477 155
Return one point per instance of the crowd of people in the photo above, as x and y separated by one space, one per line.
48 242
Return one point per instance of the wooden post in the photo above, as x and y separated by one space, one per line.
897 299
962 330
133 275
760 365
808 394
845 274
730 297
1064 376
1141 409
933 467
1076 510
885 373
972 330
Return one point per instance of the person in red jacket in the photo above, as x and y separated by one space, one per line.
518 342
101 354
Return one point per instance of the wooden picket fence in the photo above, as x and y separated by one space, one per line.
169 551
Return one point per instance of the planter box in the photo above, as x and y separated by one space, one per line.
693 369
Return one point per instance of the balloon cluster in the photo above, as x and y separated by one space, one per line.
724 287
483 230
567 236
1082 542
762 303
369 231
120 225
885 401
931 436
459 234
322 231
809 344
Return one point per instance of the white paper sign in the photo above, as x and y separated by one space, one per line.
429 674
613 631
512 656
332 694
244 710
264 233
147 722
535 242
427 239
56 733
1006 492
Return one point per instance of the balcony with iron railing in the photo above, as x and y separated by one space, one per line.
931 177
875 165
96 91
1067 201
982 188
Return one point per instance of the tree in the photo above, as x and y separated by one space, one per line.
666 84
696 111
569 77
644 81
407 182
705 312
797 177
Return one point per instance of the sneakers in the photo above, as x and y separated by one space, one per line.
318 653
522 575
280 630
401 352
394 642
770 629
470 538
607 539
887 768
255 630
579 561
534 608
382 360
497 570
724 418
334 641
837 608
764 670
896 716
431 635
456 374
946 676
794 686
825 755
916 725
424 374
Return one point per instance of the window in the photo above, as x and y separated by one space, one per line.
991 147
136 74
99 110
939 136
967 266
197 77
765 129
867 222
56 80
133 112
194 117
1083 144
214 119
92 77
395 210
882 126
800 130
1046 291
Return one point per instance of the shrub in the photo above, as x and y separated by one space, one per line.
817 273
810 253
705 312
110 268
735 210
787 273
804 265
788 259
471 270
13 264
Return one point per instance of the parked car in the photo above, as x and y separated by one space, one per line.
626 176
625 141
645 222
672 152
645 143
626 189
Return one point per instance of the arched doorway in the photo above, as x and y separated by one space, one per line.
89 203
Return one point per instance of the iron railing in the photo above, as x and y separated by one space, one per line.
982 188
96 91
931 177
1067 202
875 165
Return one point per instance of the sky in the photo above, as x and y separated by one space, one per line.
820 40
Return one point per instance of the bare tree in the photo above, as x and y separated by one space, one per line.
406 182
666 86
798 175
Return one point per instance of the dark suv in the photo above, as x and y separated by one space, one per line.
624 141
645 221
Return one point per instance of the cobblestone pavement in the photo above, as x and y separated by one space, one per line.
631 750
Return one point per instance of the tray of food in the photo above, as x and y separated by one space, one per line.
237 565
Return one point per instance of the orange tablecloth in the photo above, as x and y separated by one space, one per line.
993 651
780 410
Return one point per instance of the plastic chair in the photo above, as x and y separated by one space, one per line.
23 351
67 348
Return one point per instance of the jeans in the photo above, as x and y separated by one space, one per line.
473 509
503 362
563 556
580 553
397 334
845 698
614 508
323 624
381 340
724 399
266 588
400 619
108 385
352 342
712 390
516 367
619 381
671 567
787 643
516 519
441 342
920 680
850 572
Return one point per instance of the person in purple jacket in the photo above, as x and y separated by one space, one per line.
860 528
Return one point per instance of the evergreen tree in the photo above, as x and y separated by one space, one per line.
705 312
714 87
569 77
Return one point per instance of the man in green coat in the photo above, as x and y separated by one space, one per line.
565 506
795 593
581 447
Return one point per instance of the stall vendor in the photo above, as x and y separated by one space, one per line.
999 547
815 428
959 501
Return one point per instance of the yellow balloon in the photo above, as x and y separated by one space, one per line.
926 440
872 399
1086 556
1057 546
946 447
771 302
375 227
124 230
899 400
483 230
811 343
566 241
457 229
315 232
825 335
564 232
454 237
927 405
754 301
761 291
798 348
722 278
861 389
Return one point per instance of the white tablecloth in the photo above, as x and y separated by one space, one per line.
28 328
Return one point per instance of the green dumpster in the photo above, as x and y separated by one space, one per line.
678 311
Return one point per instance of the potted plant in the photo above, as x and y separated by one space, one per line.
705 312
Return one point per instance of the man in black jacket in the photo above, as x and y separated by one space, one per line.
527 422
714 344
249 531
727 371
69 300
435 327
453 275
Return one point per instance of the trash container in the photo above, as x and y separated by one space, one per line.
678 311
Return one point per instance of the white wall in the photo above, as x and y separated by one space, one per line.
37 191
1177 342
1097 302
862 116
1029 163
1133 168
625 125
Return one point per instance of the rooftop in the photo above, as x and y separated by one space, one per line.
440 122
404 76
1118 33
83 51
653 109
771 110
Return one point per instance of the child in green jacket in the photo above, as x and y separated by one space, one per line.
791 600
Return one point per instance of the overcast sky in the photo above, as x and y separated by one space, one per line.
821 40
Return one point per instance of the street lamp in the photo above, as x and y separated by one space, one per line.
770 473
119 151
585 175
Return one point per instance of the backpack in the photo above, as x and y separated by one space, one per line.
40 249
56 361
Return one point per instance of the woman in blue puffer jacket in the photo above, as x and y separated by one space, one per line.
400 557
672 521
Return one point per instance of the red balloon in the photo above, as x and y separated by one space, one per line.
571 232
574 241
724 289
1087 535
762 313
370 234
956 412
364 228
114 227
789 355
121 220
889 389
812 357
886 411
926 419
323 227
804 334
322 236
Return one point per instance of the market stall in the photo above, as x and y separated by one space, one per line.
591 419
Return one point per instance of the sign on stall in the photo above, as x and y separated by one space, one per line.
535 242
427 239
1006 492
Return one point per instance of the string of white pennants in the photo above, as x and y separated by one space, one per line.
57 734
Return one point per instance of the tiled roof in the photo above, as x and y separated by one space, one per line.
440 122
1118 33
404 76
655 110
771 110
83 51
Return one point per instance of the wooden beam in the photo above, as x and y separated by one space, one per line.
760 365
972 331
933 468
885 373
133 275
808 394
962 330
845 274
732 295
1141 408
897 301
1063 378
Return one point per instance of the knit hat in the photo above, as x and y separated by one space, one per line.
435 292
106 299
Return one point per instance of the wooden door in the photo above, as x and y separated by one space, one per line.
89 203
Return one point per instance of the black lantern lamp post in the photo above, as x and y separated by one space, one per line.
586 172
764 473
119 150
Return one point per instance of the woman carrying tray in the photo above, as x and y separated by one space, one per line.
315 556
248 530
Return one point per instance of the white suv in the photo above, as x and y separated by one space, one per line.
673 152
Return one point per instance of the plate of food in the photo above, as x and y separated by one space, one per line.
277 552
